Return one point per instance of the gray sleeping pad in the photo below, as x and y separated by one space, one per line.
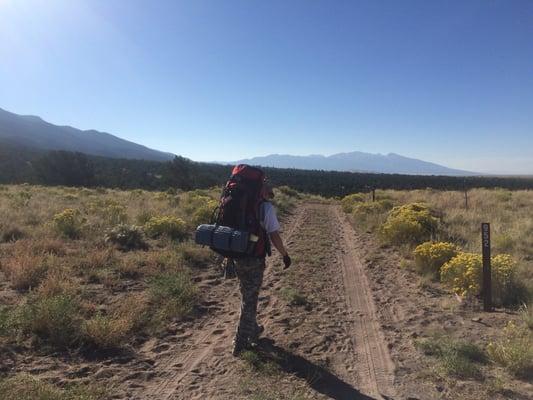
222 238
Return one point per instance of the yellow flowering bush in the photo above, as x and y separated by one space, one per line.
375 207
115 214
195 200
409 224
514 350
203 214
431 256
370 215
68 222
167 225
348 202
463 274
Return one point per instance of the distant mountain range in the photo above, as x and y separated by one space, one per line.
34 133
356 161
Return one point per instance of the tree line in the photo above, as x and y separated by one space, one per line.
19 165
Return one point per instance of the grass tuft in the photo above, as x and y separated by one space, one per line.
25 387
456 358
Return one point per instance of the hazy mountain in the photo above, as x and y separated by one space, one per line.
356 162
33 132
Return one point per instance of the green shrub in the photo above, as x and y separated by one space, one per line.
5 321
56 319
294 297
126 237
115 214
25 271
370 215
463 275
284 204
431 256
514 351
195 256
195 200
204 214
173 227
288 191
348 202
144 216
68 223
173 293
504 242
25 387
11 235
409 224
456 358
106 332
526 314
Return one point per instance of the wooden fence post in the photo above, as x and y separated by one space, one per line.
487 278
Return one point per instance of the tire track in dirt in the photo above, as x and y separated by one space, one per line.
375 368
215 331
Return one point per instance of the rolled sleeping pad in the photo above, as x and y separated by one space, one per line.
222 238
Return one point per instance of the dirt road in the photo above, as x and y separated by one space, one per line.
328 345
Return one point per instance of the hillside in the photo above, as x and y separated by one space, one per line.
357 161
34 132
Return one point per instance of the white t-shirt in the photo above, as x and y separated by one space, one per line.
270 221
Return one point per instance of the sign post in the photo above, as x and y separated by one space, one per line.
487 278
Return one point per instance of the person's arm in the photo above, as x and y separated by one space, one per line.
271 225
276 240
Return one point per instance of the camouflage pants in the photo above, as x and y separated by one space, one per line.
250 274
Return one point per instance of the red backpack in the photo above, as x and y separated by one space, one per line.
240 206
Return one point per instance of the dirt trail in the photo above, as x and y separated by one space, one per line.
180 364
195 362
375 369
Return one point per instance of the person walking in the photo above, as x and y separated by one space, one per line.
250 270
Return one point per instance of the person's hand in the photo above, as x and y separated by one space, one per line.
287 261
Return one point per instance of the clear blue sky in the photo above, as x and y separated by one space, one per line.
445 81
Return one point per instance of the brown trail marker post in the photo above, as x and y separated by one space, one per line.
487 278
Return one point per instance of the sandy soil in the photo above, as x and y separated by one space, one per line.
332 347
350 335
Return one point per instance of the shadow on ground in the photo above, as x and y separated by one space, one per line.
319 378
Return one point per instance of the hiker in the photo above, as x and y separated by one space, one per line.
250 270
243 230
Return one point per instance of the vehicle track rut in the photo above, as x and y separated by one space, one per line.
181 371
375 368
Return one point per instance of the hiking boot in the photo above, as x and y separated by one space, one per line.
239 346
258 332
229 269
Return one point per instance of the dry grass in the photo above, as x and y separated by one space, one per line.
78 293
26 387
25 271
509 213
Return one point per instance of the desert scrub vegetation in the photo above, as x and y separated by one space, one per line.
167 225
94 271
456 358
431 256
507 211
514 350
69 223
25 387
173 294
293 297
126 237
411 223
463 275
